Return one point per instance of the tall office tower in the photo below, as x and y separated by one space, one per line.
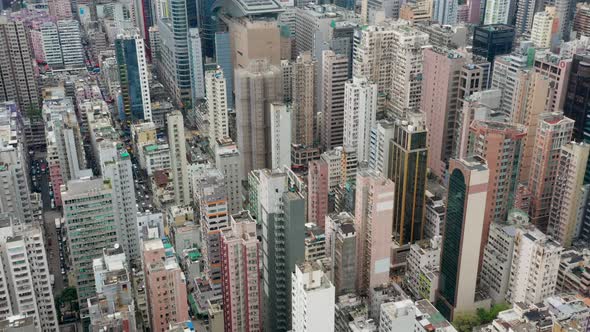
373 216
360 113
408 157
115 165
495 270
565 213
553 131
445 12
282 215
133 76
227 160
70 41
313 298
113 305
440 103
15 196
582 20
511 75
91 223
497 12
65 153
488 138
165 285
17 81
253 38
223 57
334 77
211 197
461 244
257 87
25 283
381 135
303 101
492 40
577 100
280 135
535 265
240 254
145 20
174 62
318 188
525 12
196 65
61 9
343 255
178 161
544 29
216 105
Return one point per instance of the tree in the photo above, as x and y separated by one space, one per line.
466 323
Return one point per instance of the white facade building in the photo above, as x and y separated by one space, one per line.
196 64
542 31
227 160
216 105
406 315
155 157
70 40
422 264
497 12
313 298
51 46
381 135
360 112
280 135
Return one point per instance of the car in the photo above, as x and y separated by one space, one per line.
63 271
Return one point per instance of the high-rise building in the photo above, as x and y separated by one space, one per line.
360 113
564 10
492 40
173 50
211 198
577 102
133 76
488 138
115 165
525 11
165 285
422 264
497 12
408 155
196 64
445 12
566 211
240 255
113 306
253 38
178 161
462 238
334 77
25 283
582 20
62 9
557 71
217 98
535 265
317 192
553 131
91 223
381 135
280 135
51 46
70 41
282 215
18 82
343 255
228 161
257 87
223 55
544 28
373 217
312 298
303 100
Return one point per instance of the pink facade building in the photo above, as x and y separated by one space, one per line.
62 9
373 223
554 131
240 258
500 145
165 285
557 70
317 194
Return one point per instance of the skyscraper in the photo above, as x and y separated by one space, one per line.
373 217
196 65
240 255
215 83
17 81
407 169
70 41
360 114
464 223
312 299
445 12
253 38
497 12
281 120
566 209
525 12
252 109
178 161
554 131
228 161
303 100
544 32
317 195
91 223
334 77
133 75
492 40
